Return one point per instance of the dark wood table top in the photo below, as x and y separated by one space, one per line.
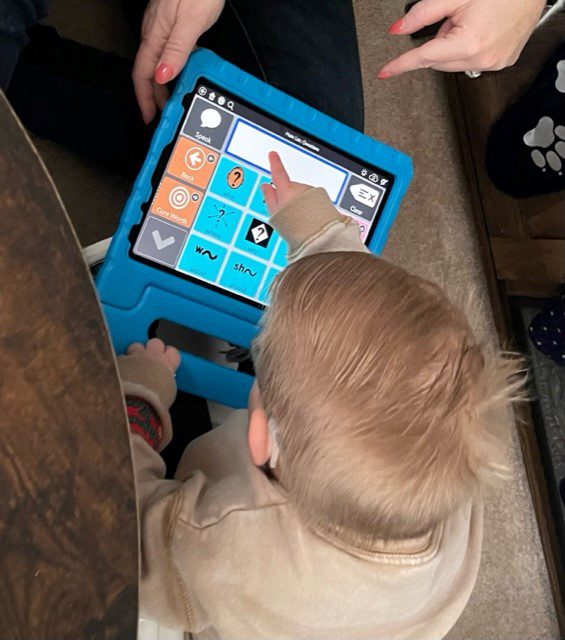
68 529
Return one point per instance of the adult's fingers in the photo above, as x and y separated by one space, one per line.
423 14
161 93
176 50
143 71
443 54
278 172
445 28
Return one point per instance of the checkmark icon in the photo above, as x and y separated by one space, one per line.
161 243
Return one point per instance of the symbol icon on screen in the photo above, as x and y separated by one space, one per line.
221 216
374 177
206 252
235 177
364 194
179 197
230 104
194 158
202 91
364 172
259 233
221 101
210 118
161 243
212 96
241 268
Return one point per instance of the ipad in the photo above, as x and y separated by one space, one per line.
194 245
206 220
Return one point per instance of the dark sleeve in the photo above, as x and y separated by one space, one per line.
16 17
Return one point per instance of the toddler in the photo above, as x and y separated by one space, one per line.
346 501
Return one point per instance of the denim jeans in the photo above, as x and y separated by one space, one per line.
307 48
16 16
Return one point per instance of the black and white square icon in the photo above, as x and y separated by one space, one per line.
259 233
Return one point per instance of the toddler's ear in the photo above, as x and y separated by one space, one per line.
258 437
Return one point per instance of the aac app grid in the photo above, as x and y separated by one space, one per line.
208 219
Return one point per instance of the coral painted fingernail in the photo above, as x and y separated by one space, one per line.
164 73
397 27
383 75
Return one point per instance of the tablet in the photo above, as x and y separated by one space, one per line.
207 221
194 245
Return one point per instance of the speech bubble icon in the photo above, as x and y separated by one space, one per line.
210 118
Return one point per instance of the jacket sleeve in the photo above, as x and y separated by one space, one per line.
311 224
150 390
163 591
142 377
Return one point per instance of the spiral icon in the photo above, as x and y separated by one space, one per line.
179 197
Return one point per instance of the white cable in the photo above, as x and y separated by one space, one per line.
95 253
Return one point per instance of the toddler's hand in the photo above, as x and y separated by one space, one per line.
282 190
157 350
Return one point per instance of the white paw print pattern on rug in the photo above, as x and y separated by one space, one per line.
546 135
560 82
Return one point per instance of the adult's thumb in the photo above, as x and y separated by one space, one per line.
178 47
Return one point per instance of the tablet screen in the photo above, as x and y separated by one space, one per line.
206 219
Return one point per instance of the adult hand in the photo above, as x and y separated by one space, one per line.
477 35
169 33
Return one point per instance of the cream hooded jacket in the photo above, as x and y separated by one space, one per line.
225 555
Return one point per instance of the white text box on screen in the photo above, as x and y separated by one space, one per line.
253 145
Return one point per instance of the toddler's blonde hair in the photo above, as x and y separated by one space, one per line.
387 408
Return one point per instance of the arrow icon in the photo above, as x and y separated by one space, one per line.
194 158
160 243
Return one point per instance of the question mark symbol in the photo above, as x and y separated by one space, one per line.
235 177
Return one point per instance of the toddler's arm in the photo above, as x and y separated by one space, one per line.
147 375
306 218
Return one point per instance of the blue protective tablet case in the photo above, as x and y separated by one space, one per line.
135 294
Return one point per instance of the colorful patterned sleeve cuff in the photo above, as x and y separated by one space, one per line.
144 421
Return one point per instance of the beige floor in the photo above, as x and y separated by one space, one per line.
432 236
